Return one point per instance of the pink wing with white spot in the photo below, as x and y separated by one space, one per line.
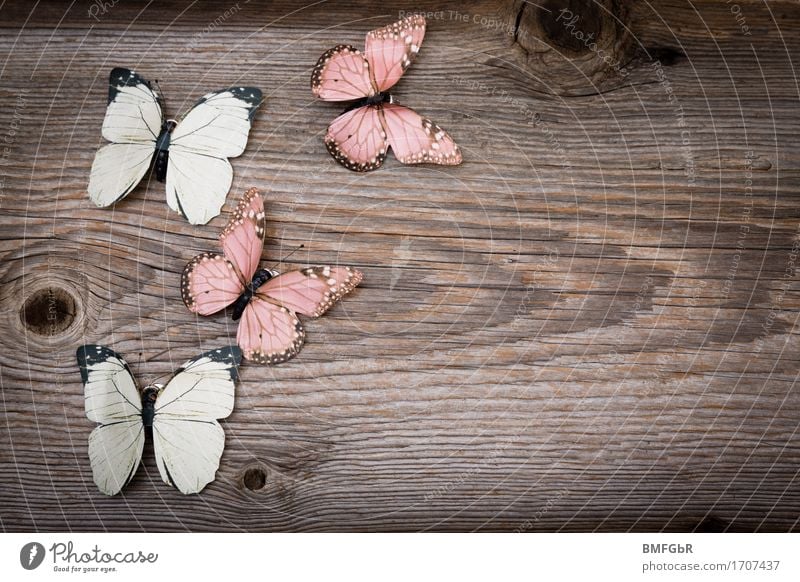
417 140
269 333
311 291
356 139
342 74
243 237
211 282
391 50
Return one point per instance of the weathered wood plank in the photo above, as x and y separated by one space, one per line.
589 325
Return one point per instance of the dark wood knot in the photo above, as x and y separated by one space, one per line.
49 311
254 478
573 47
572 25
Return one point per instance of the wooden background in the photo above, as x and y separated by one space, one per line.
589 325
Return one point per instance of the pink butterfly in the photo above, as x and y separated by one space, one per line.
359 138
266 301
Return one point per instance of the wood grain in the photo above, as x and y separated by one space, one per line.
590 325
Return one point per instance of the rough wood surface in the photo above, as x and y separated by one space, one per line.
589 325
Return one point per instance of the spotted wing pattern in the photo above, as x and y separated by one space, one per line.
356 139
391 50
311 291
269 333
417 140
342 74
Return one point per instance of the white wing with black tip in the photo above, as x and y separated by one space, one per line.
132 124
112 400
188 439
199 174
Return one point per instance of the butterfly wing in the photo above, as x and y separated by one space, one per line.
199 174
417 140
112 400
269 333
187 438
210 283
242 238
391 50
342 74
311 291
356 139
132 123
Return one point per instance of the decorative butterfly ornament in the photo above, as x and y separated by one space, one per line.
182 415
360 137
191 156
265 302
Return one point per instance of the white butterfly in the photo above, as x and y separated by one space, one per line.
190 155
187 438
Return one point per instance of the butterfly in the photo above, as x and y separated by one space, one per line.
266 301
190 155
182 415
360 137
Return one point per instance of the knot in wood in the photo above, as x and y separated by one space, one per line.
574 47
254 478
48 311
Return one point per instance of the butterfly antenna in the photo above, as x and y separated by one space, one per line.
289 255
160 97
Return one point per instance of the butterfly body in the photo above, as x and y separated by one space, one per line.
149 396
190 156
372 100
162 150
265 302
373 123
180 417
261 276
